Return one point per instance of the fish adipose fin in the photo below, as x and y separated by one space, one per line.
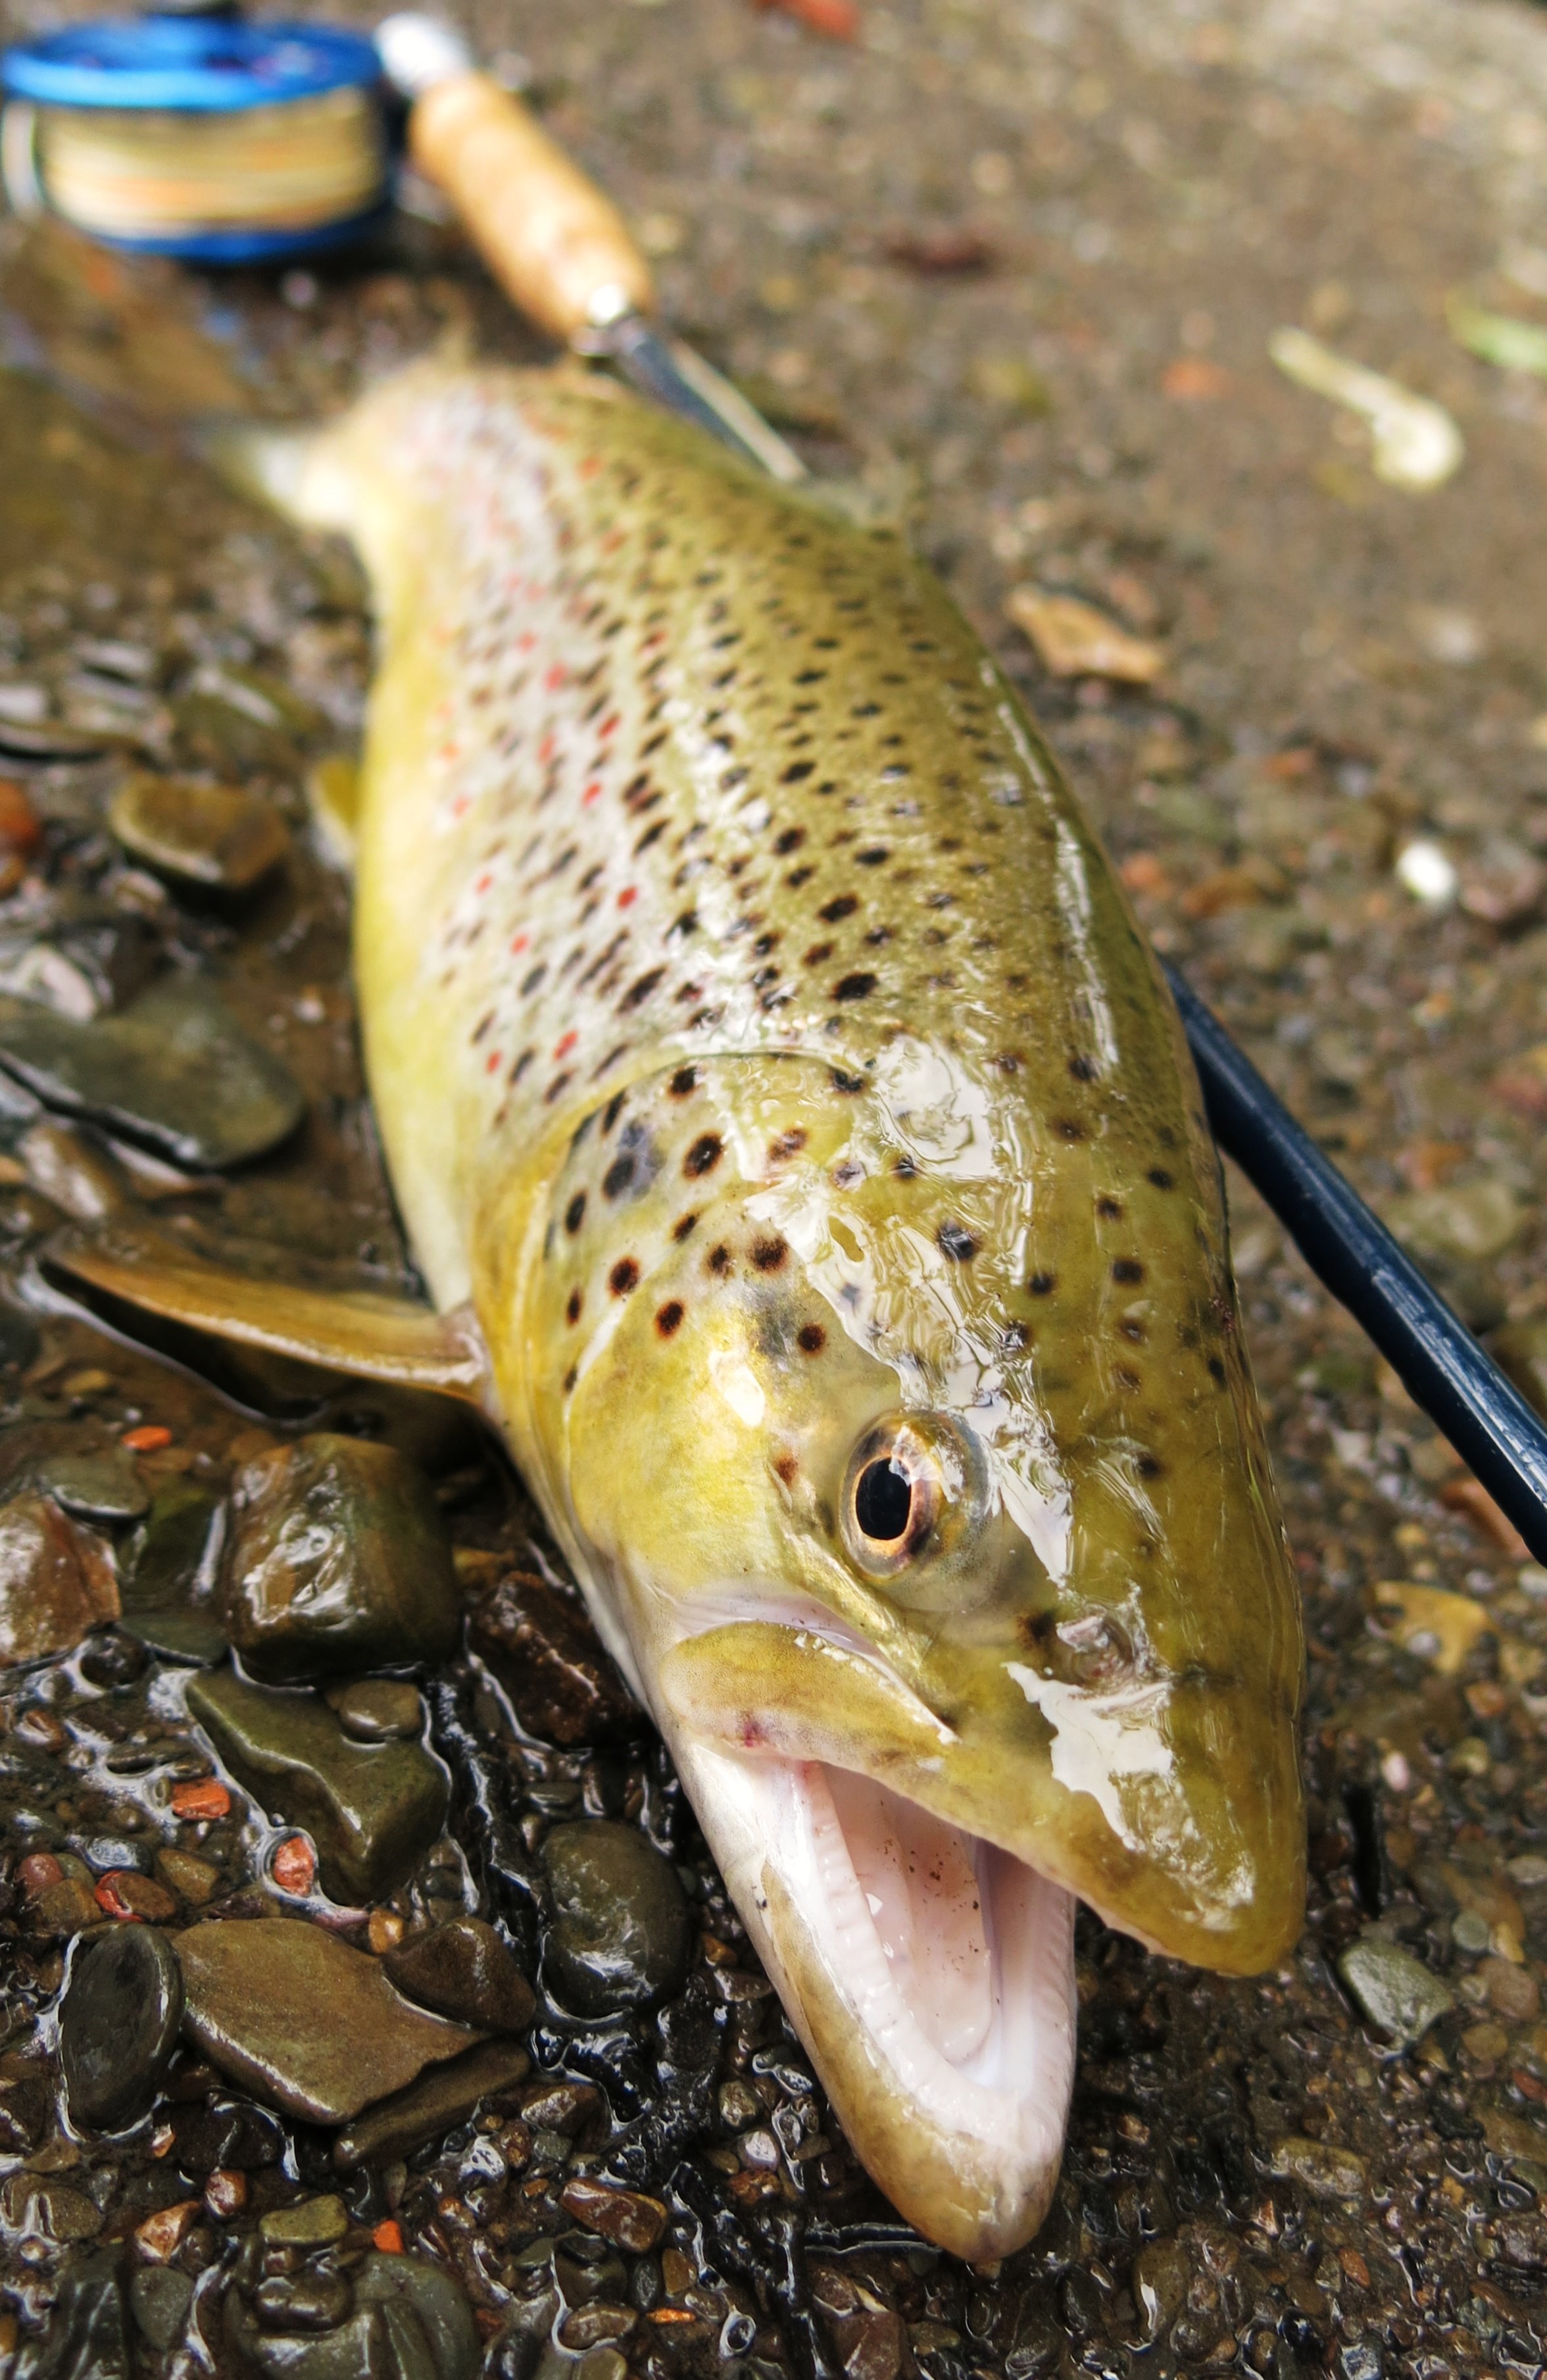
371 1337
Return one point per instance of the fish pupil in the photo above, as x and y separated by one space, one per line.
883 1502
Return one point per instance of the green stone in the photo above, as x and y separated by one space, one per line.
378 1710
396 2127
1396 1993
172 1548
620 1936
191 1638
173 1070
95 1487
338 1558
161 2297
309 2223
301 2019
372 1810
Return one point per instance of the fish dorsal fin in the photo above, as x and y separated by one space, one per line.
356 1331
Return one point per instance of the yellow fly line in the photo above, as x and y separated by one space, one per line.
151 174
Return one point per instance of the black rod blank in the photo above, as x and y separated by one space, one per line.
1484 1416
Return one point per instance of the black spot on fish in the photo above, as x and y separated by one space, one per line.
571 1310
1109 1210
786 1144
1043 1284
1217 1372
1128 1380
843 906
1132 1330
703 1156
683 1225
1015 1338
1148 1467
623 1277
854 987
787 1468
905 1169
768 1255
791 840
612 1110
638 993
718 1259
618 1176
848 1083
685 1079
575 1213
1082 1069
670 1316
797 772
810 1338
1068 1129
954 1240
1127 1268
873 858
817 953
570 1379
1158 1175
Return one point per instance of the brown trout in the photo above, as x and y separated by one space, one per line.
778 1090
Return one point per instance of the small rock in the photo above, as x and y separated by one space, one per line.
172 1070
20 1340
162 2234
1503 885
1322 2167
88 2333
26 2104
464 1970
67 1907
302 2020
372 1811
31 2203
227 2135
420 2294
57 1582
125 1893
550 1662
1159 2281
396 2127
119 2026
95 1487
190 1638
173 1548
193 1879
160 2297
1512 1990
225 2193
1465 1222
1397 1992
82 1182
627 2217
620 1933
338 1558
356 2350
559 2107
309 2223
304 2300
411 2321
378 1710
1074 640
212 836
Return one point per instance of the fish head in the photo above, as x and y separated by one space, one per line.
910 1455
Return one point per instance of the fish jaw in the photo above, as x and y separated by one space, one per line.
952 2089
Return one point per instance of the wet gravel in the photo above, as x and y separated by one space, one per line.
1019 269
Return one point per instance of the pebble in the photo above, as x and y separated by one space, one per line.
234 2137
57 1582
95 1487
301 2019
309 2223
173 1070
621 1931
1325 2170
1466 1221
378 1710
215 836
546 1654
190 1638
20 1340
431 2298
304 2300
160 2298
410 2321
337 1558
464 1970
1159 2282
450 2095
119 2024
627 2217
372 1811
1397 1992
88 2333
173 1547
124 1893
162 2234
1074 640
28 2203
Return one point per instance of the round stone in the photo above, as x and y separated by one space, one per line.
214 835
621 1928
95 1487
118 2027
462 1969
378 1710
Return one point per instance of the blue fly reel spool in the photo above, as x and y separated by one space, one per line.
198 137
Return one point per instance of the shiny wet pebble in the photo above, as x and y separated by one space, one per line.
621 1927
378 1710
337 1558
95 1487
160 2297
1398 1995
215 836
119 2026
305 2300
57 1582
462 1969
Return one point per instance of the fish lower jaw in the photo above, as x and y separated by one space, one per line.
930 1975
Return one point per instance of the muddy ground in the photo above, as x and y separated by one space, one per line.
1022 264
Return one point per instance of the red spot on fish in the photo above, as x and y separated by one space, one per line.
493 1062
627 897
461 805
526 641
609 727
483 883
520 944
549 746
562 1049
592 794
752 1733
555 677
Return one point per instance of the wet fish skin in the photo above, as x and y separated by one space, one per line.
762 1046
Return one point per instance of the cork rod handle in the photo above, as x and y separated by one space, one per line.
551 240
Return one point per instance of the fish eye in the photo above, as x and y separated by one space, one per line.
893 1499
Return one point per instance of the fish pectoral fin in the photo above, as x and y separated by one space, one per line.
356 1331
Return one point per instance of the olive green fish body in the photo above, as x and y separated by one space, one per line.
761 1044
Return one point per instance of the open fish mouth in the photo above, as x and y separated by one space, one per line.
930 1974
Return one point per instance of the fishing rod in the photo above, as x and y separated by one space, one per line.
257 141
